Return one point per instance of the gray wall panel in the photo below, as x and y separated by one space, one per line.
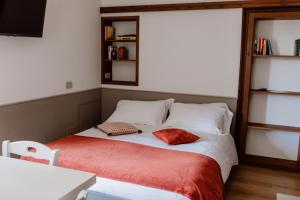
50 118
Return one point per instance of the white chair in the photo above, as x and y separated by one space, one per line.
82 195
30 149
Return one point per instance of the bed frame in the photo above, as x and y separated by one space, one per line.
110 98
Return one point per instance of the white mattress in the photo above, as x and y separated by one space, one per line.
219 147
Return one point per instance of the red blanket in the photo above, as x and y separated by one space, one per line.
195 176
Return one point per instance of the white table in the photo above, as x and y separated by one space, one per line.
24 180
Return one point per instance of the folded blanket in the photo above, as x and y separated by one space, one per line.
195 176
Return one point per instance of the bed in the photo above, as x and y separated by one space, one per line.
219 147
142 166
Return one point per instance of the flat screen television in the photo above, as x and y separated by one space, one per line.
22 17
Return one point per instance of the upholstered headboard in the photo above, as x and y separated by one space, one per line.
110 98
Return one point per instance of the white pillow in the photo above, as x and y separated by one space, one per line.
227 117
141 112
168 105
209 118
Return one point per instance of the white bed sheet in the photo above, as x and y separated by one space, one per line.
219 147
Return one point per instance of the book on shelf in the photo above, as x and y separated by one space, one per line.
108 32
297 47
126 37
117 53
112 53
265 47
110 48
262 46
270 52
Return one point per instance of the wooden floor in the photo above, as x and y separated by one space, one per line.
251 183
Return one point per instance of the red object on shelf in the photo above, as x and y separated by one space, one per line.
122 53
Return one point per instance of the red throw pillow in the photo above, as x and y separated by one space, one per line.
174 136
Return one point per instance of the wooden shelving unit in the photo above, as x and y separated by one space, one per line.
129 83
276 56
252 16
274 92
119 41
108 64
120 60
271 127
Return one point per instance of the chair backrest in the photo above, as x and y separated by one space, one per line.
30 149
82 195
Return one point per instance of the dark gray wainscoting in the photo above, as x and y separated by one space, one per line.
50 118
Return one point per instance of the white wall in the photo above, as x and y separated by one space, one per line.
192 52
32 68
276 74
